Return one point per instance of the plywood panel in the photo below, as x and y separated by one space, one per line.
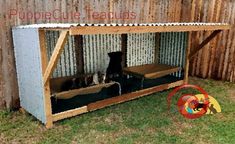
29 72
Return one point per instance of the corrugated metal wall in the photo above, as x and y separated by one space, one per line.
172 50
96 49
67 63
215 61
95 53
140 49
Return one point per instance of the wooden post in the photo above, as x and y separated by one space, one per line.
55 55
124 49
186 67
78 39
157 47
47 95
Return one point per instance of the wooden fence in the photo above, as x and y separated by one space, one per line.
216 61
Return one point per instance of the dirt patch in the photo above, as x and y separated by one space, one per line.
113 118
231 94
2 139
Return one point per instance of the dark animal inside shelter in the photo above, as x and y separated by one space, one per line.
115 65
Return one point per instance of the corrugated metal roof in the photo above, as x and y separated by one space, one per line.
68 25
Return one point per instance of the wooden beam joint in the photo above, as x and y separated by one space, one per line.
55 55
205 42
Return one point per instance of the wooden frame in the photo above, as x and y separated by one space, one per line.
49 66
86 90
206 41
47 92
142 29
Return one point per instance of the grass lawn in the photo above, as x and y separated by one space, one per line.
144 120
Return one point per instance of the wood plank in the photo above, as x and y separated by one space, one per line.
48 106
47 92
201 13
229 49
131 96
213 70
82 91
55 55
124 50
186 67
69 113
54 29
206 41
9 80
157 48
2 45
194 34
142 29
151 70
43 49
79 53
211 54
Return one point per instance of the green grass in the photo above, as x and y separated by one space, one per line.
144 120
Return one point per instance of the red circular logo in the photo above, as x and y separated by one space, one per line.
188 104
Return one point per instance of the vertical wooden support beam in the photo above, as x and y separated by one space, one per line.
157 47
78 39
55 55
47 96
124 49
186 67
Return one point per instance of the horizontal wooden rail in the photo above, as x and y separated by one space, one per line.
114 100
131 96
69 113
142 29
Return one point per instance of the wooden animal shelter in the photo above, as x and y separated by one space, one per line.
154 57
